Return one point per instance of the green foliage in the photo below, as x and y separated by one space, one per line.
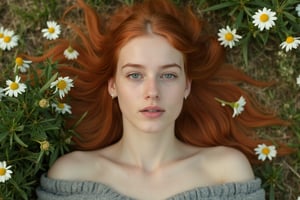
238 14
32 133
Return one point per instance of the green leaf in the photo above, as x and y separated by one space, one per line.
47 85
239 18
245 48
272 192
3 135
19 141
21 192
259 4
19 128
290 16
80 120
12 99
220 6
41 154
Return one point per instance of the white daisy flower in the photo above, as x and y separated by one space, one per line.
264 19
14 87
71 53
53 30
62 85
298 9
237 106
298 80
62 108
5 172
263 151
1 93
228 37
9 40
22 64
290 43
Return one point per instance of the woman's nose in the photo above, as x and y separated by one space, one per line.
152 89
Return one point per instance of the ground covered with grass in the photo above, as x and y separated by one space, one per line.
258 53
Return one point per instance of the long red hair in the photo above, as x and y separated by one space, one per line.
203 121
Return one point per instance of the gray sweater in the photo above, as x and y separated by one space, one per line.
52 189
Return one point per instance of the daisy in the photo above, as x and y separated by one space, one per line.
264 19
298 9
5 172
9 40
228 37
53 30
237 106
71 53
62 85
290 43
14 87
298 80
22 64
62 108
263 151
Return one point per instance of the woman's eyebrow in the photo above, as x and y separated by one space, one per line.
142 66
171 65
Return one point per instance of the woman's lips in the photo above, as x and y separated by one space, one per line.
152 111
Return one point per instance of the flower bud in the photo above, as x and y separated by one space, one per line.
44 145
44 103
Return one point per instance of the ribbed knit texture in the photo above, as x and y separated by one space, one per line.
52 189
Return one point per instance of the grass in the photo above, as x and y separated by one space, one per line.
281 177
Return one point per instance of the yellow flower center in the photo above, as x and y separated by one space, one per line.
6 39
265 151
1 35
290 40
14 86
61 84
44 146
19 61
70 49
2 171
264 17
229 36
61 105
51 30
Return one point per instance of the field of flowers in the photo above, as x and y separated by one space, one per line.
262 37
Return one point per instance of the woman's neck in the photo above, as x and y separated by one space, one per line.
148 151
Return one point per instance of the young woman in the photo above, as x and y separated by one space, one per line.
149 76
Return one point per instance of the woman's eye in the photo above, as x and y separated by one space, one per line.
168 76
135 76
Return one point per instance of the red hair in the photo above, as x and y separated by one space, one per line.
203 121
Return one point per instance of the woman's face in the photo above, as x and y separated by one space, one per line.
150 84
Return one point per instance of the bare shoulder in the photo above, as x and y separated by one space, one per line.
67 166
229 164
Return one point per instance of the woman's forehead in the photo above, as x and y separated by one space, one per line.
149 50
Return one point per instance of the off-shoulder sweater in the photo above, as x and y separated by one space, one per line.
53 189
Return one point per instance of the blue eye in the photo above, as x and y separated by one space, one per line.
135 76
168 76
